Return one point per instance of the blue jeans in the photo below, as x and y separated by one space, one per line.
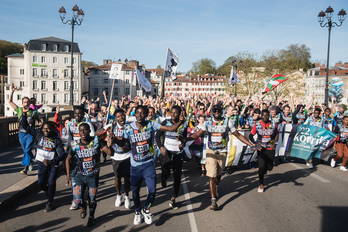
27 142
47 176
80 182
147 172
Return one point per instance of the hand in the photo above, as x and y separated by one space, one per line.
109 142
123 97
104 92
332 98
291 94
26 109
13 88
40 123
47 162
67 181
57 109
163 151
313 95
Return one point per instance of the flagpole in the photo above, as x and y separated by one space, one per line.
164 75
110 103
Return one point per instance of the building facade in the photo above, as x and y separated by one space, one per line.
43 72
315 81
3 81
155 77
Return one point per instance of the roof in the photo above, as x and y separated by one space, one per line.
154 82
108 66
35 44
16 55
159 71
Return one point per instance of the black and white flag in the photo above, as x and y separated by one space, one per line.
171 63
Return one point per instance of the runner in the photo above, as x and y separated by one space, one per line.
341 144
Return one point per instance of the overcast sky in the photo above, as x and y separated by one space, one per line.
195 29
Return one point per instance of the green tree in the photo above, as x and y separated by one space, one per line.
158 66
204 66
8 48
87 64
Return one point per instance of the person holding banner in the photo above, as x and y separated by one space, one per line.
341 145
218 129
267 137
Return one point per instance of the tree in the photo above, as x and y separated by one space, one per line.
158 66
203 66
87 64
8 48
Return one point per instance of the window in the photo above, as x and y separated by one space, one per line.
75 84
66 73
55 60
116 81
34 59
75 73
43 47
66 60
66 85
127 90
34 85
54 72
54 98
116 91
35 95
43 59
19 97
43 72
21 83
43 97
95 91
43 85
75 97
74 60
21 71
55 85
95 81
55 47
106 81
127 81
127 72
155 90
66 48
66 97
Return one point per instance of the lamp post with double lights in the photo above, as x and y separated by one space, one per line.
76 19
329 24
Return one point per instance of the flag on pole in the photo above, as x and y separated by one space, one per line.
171 63
275 80
233 77
145 83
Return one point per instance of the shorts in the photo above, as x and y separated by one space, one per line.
215 163
121 168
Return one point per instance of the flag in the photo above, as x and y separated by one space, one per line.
145 83
233 77
275 80
171 63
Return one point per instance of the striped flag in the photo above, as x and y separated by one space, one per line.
275 80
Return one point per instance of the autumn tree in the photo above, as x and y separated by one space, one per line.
204 66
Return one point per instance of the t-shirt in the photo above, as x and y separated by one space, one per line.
266 133
120 154
73 128
31 117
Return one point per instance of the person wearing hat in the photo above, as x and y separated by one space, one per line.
218 129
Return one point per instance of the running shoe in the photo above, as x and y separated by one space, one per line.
343 168
147 216
127 203
333 163
48 207
83 212
74 206
260 190
310 165
118 201
213 205
91 221
31 166
173 204
24 172
138 218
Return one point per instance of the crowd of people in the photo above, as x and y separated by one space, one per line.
137 132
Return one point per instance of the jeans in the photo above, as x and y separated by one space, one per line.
80 182
147 172
27 142
47 176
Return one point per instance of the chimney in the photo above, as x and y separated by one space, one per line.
317 64
107 61
339 64
345 65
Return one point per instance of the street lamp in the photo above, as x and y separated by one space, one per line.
75 20
321 18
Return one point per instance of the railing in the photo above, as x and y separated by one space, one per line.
9 126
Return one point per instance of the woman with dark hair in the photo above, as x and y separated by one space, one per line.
49 152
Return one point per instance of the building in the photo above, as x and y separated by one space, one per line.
315 81
155 77
127 84
195 85
43 72
3 81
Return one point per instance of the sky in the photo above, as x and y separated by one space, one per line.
143 29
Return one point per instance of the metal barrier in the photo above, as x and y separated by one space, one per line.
9 126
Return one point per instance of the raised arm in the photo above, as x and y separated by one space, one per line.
292 106
12 104
105 98
333 109
311 102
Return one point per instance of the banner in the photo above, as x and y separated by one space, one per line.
145 83
171 63
115 71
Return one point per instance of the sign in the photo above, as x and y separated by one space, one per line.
115 71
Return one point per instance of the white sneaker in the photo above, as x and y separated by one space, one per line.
127 203
74 206
31 166
343 168
310 165
138 218
118 200
333 163
260 190
147 216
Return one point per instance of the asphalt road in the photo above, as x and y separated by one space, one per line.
295 199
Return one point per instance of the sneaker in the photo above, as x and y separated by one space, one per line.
83 212
24 172
260 190
74 206
173 204
127 203
343 168
147 216
48 207
138 218
214 205
310 165
31 166
91 221
118 200
333 163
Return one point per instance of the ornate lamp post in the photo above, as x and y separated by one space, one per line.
75 20
329 24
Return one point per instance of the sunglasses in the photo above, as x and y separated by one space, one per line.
201 108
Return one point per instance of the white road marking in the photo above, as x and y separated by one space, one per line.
310 173
189 206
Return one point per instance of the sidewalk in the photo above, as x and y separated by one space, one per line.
13 184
